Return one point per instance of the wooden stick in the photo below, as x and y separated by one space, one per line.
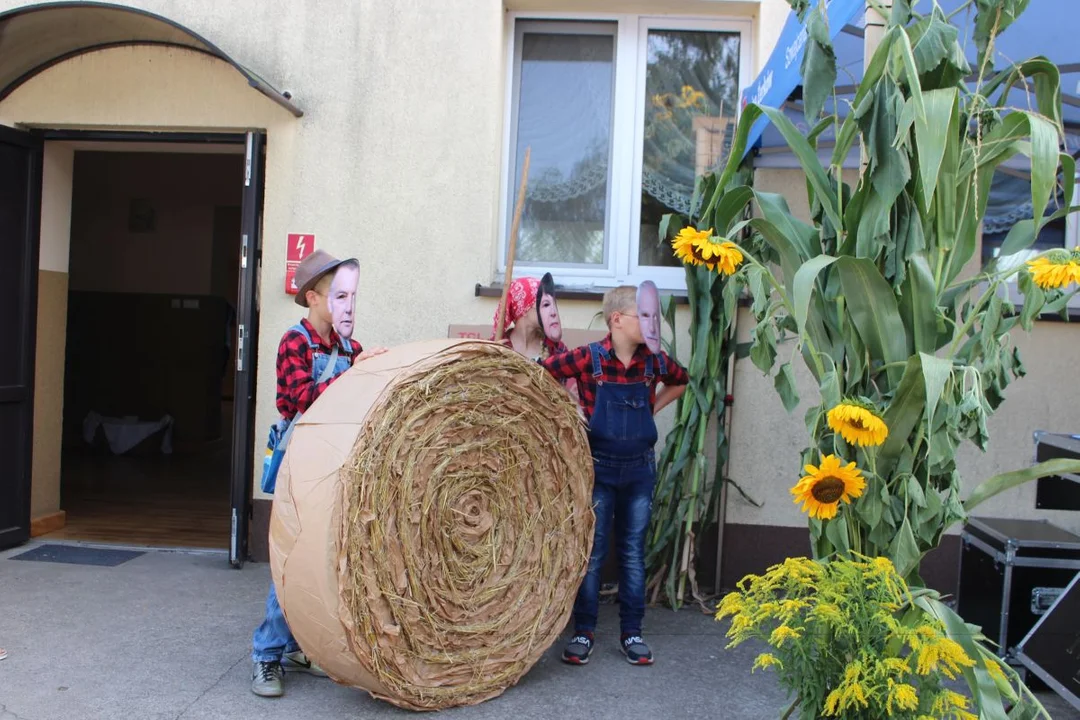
513 245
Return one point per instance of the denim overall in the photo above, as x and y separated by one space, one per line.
622 434
273 638
323 368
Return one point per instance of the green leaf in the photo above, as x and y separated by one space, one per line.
932 39
808 159
763 351
805 282
1044 162
904 550
784 382
918 305
836 531
931 141
873 310
819 63
911 73
992 19
1020 237
936 373
903 414
731 205
1006 481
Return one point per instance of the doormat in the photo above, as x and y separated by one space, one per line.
76 555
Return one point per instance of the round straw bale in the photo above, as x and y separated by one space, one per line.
432 522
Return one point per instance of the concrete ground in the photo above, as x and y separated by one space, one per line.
167 635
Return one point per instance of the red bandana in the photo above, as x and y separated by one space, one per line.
520 300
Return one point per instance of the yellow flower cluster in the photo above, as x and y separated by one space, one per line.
1055 269
853 620
699 247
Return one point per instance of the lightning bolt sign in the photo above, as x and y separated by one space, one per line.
297 247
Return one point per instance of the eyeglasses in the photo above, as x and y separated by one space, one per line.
629 315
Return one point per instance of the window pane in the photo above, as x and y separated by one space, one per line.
691 96
564 116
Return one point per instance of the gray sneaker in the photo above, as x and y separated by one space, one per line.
299 662
266 679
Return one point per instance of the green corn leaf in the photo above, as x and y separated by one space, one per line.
1006 481
918 305
903 414
805 283
930 140
873 309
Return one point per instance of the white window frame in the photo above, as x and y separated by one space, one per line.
622 226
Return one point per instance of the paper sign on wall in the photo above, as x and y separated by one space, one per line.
298 247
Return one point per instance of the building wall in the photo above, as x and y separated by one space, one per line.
399 151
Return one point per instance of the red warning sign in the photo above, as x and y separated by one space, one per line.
298 247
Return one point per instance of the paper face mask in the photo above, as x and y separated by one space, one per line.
648 307
342 299
547 309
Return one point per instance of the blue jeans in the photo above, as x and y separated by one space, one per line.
629 507
273 638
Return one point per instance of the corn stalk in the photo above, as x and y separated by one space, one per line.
688 491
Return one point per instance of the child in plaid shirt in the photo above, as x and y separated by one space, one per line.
617 381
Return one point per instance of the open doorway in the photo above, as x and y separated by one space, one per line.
149 372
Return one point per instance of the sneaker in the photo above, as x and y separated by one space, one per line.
266 679
635 650
579 649
299 662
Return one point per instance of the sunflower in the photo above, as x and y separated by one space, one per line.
858 424
822 489
697 247
683 244
1055 269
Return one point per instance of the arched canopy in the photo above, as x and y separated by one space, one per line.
36 37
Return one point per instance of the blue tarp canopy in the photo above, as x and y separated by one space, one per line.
1050 28
1047 27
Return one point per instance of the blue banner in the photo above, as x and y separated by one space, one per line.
782 72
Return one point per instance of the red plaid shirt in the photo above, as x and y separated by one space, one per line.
577 365
296 388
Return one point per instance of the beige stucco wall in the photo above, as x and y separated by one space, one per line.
397 159
766 441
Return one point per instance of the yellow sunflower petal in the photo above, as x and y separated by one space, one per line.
857 425
823 489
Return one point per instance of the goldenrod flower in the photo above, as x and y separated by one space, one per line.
858 424
945 655
765 661
903 696
732 604
782 633
823 488
697 247
1055 269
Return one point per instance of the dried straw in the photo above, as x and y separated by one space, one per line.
466 526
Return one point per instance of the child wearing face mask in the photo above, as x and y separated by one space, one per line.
312 354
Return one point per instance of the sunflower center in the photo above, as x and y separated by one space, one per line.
828 490
857 423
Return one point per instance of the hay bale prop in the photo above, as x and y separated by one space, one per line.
432 522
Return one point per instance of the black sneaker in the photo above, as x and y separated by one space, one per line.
635 650
579 649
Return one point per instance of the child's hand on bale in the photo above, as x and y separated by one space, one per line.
369 354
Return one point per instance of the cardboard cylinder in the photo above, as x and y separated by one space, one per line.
432 522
